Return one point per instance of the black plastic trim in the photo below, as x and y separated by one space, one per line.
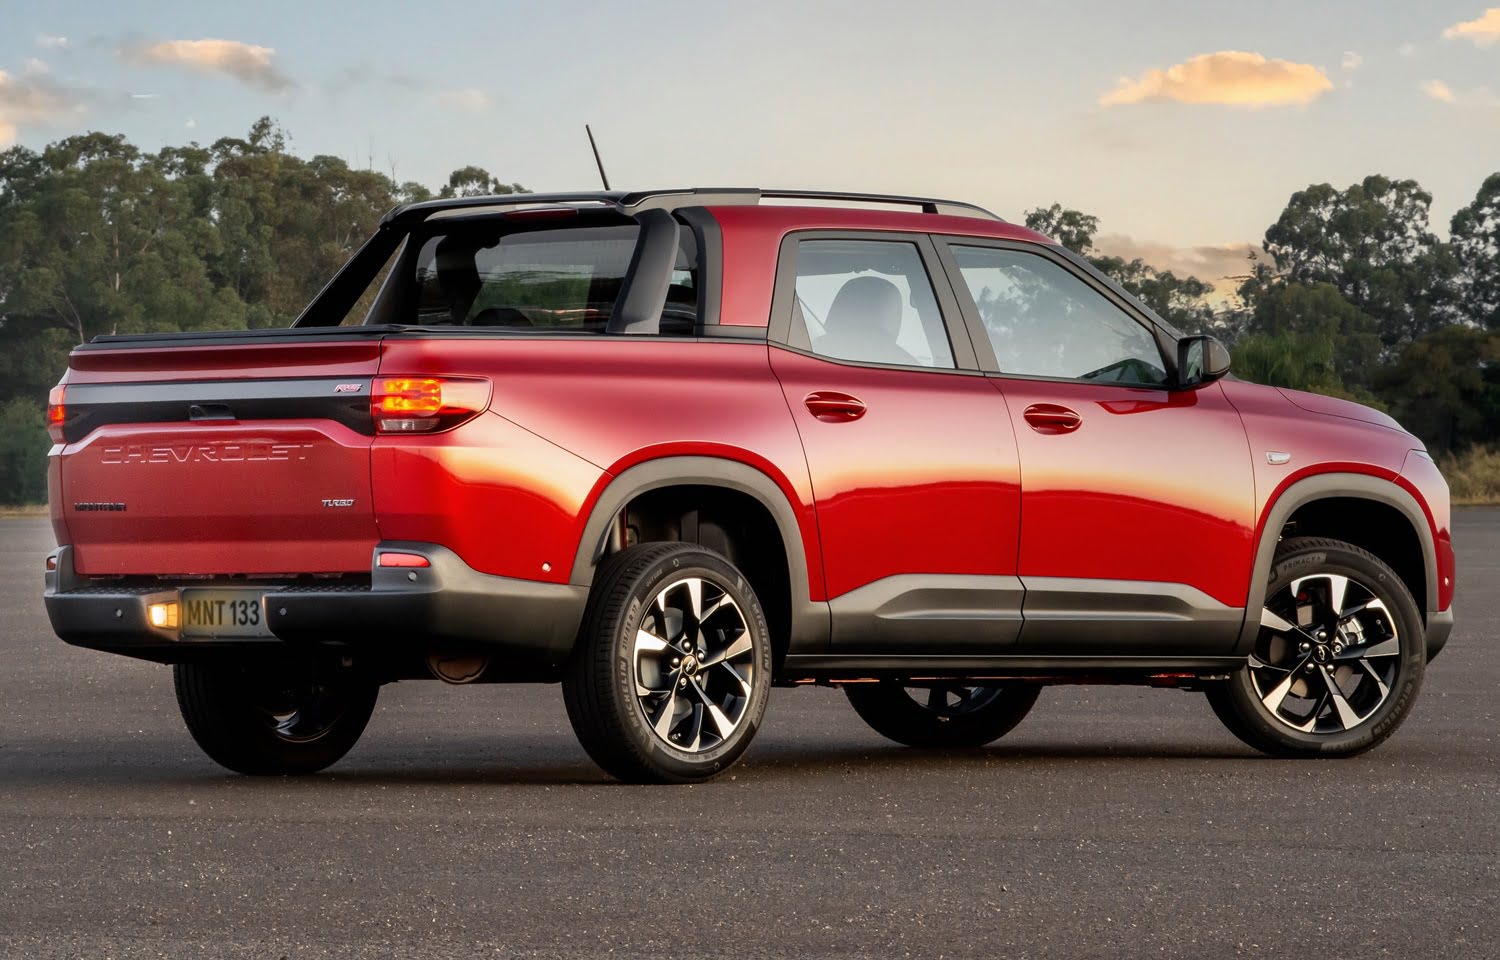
521 622
710 241
1119 617
643 294
839 665
810 619
93 405
932 613
674 198
1324 486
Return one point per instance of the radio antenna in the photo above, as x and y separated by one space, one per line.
600 163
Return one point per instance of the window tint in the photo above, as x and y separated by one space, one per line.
870 301
558 278
1043 321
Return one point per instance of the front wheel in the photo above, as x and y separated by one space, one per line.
1339 658
673 665
942 713
273 720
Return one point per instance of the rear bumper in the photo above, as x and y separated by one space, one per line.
401 609
1439 628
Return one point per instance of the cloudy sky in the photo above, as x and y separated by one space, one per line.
1183 125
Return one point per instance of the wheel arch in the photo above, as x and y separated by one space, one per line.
1313 499
808 622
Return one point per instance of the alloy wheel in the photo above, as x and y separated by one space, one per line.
952 699
693 665
1328 654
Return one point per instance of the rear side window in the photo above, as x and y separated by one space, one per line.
1043 321
564 278
869 301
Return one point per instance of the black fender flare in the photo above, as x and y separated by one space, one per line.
810 625
1324 486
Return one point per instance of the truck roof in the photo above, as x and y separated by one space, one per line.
794 208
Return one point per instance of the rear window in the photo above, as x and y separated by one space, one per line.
561 279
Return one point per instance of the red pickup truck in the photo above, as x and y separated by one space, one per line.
673 448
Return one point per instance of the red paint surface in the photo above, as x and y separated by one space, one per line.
925 481
1151 485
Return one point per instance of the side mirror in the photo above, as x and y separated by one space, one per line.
1200 360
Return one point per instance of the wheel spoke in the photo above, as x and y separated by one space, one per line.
738 648
1347 717
1385 648
1270 619
744 684
1279 692
662 724
722 724
647 642
695 598
1375 675
1349 613
1338 588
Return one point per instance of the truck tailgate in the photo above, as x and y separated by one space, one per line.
235 458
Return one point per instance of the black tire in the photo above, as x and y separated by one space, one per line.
273 721
1248 704
992 711
605 705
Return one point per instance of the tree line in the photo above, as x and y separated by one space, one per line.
1353 294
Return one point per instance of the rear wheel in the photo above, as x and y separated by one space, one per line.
1339 659
266 721
673 667
942 713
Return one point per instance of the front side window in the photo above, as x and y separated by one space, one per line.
564 278
869 301
1043 321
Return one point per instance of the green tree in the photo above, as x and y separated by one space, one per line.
476 182
1372 243
1476 247
23 451
1320 312
1445 387
1070 228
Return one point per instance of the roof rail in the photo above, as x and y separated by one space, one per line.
672 199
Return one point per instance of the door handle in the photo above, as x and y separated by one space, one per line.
1051 418
833 407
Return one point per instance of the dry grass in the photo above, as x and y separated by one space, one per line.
28 510
1474 476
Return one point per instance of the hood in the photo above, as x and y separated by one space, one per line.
1334 407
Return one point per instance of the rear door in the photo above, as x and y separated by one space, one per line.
910 453
220 456
1137 500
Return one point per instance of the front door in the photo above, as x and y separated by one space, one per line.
910 451
1137 500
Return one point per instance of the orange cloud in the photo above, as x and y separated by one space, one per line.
1483 30
245 62
1438 90
33 100
1232 77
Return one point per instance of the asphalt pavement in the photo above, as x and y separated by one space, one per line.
1114 822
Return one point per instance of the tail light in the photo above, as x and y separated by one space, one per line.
426 404
57 414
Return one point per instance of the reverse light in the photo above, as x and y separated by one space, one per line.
57 414
426 404
163 615
393 559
